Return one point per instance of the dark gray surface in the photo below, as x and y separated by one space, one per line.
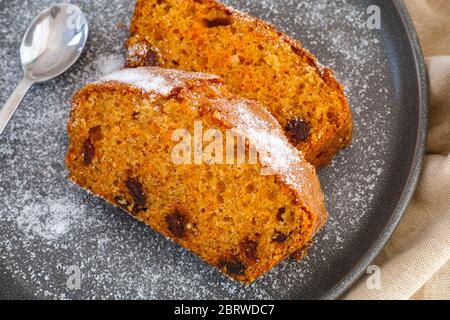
47 224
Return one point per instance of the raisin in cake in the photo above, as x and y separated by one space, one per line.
243 218
256 61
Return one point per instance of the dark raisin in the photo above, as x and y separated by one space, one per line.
95 133
142 54
151 59
279 237
136 191
250 250
232 266
297 130
217 22
176 223
88 152
280 213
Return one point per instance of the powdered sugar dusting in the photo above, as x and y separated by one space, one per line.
154 79
108 64
49 220
266 135
276 154
48 224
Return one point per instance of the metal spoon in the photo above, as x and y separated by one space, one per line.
51 45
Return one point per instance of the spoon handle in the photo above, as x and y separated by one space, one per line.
13 102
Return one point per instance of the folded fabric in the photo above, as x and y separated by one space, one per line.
420 248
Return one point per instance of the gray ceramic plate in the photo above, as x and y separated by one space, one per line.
47 224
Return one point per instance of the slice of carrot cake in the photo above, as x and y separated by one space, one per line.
256 61
129 137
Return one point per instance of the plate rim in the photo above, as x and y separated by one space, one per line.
415 170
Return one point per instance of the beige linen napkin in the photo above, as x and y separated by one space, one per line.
415 263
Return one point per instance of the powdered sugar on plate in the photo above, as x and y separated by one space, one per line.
49 220
47 224
107 64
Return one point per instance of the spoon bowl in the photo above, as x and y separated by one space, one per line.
52 44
